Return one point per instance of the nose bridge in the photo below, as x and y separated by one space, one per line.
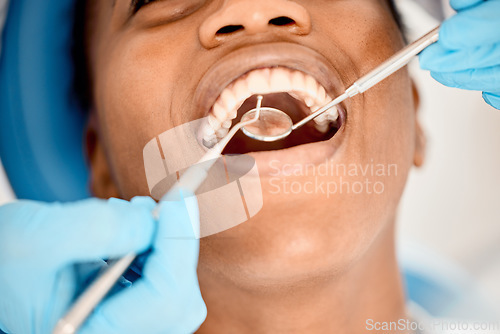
251 17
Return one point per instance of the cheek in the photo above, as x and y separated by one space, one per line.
138 80
134 89
364 30
382 120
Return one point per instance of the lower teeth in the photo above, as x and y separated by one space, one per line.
322 127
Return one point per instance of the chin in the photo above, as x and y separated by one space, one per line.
295 240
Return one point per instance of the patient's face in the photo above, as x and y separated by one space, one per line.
168 62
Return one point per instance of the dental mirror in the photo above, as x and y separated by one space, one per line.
272 124
275 124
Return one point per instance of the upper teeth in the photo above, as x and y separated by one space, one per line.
266 81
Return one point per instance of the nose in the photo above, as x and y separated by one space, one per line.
252 17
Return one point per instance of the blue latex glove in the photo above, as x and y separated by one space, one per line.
467 54
48 252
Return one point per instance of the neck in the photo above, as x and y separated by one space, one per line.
370 289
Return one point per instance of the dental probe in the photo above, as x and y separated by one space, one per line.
190 181
388 67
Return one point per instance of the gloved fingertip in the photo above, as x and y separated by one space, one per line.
434 58
116 200
443 78
138 225
426 60
449 36
144 201
492 99
437 76
180 219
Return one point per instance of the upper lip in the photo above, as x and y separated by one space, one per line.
237 63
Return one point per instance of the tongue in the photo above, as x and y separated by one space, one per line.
294 108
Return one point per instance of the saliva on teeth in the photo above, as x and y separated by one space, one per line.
299 85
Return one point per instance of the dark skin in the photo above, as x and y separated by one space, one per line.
305 263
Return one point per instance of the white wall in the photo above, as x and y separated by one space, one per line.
452 204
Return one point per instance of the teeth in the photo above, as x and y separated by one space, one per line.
321 93
333 114
221 133
213 123
208 131
227 124
258 83
228 101
281 80
311 86
323 121
232 114
329 116
323 127
298 79
266 81
219 112
309 101
240 89
208 134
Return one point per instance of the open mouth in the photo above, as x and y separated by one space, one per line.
292 78
296 93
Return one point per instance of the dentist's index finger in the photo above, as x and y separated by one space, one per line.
80 231
482 79
473 27
168 294
438 59
176 245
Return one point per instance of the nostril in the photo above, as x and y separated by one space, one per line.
229 29
282 21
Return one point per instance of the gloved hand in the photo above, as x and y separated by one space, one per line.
467 54
43 248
